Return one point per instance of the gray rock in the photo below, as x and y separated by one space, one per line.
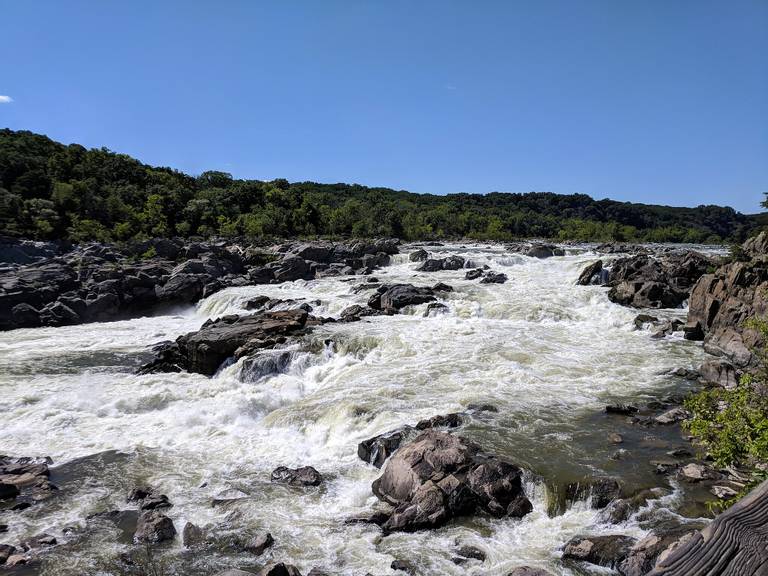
303 476
154 527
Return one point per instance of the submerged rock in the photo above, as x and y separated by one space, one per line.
303 476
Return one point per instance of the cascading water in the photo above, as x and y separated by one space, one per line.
546 354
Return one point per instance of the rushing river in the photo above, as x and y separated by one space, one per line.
547 353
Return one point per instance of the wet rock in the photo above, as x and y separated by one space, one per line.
591 274
453 263
39 541
154 527
607 551
356 311
376 518
234 572
621 509
376 450
622 409
544 251
529 571
439 476
8 491
148 499
615 438
419 255
3 530
494 278
303 476
641 320
279 569
259 543
398 296
431 265
475 407
473 274
16 560
453 420
318 572
205 350
602 491
404 566
434 309
680 453
472 552
192 535
442 287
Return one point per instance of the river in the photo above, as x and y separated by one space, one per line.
548 354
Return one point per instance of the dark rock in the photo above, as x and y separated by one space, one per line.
473 274
435 308
494 278
592 274
6 551
544 251
419 255
431 265
8 491
602 491
259 543
442 287
191 535
453 263
154 527
453 420
404 566
472 552
529 571
397 296
607 551
642 319
693 331
25 315
303 476
376 450
622 409
279 569
205 350
58 314
39 541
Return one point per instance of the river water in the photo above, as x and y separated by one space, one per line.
547 353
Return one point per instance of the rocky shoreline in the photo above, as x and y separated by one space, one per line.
430 473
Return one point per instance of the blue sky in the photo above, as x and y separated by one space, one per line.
650 101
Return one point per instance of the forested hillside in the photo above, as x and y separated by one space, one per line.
51 190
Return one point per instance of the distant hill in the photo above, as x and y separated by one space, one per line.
52 190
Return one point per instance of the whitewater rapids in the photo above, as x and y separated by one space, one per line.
547 353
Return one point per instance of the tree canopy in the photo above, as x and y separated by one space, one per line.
52 190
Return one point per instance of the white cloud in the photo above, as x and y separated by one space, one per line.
5 99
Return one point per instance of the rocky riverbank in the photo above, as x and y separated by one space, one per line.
431 476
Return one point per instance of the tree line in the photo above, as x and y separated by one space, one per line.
49 190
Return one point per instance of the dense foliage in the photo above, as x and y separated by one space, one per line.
51 190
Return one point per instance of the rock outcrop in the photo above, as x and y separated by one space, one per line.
721 303
440 476
235 336
645 281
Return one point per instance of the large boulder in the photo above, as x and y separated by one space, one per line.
440 476
607 551
397 296
154 527
204 351
592 274
645 281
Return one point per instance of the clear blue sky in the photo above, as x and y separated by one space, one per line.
661 101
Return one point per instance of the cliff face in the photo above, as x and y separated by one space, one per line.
722 302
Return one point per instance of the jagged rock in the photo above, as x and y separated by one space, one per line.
6 551
442 287
356 311
453 420
592 274
404 566
397 296
439 476
643 554
622 409
473 274
472 552
259 543
602 491
303 476
720 372
431 265
641 320
39 541
205 350
434 309
453 263
607 551
154 527
723 492
376 450
643 281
